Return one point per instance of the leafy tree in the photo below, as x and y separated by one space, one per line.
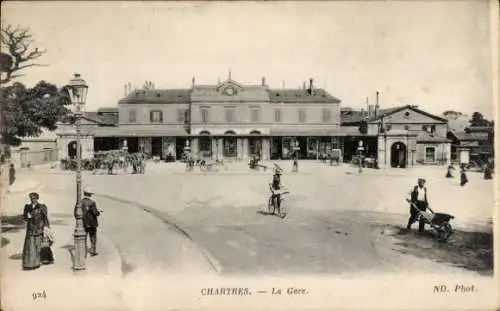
27 111
17 52
479 120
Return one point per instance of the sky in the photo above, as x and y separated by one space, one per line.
433 54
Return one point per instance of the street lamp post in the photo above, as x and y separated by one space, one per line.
77 89
360 152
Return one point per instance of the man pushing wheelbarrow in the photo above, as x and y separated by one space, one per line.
418 211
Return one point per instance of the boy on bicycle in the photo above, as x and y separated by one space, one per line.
276 186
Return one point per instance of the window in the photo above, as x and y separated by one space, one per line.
302 115
205 115
407 115
230 115
131 116
255 115
156 116
181 116
430 154
407 128
429 128
326 115
229 146
277 115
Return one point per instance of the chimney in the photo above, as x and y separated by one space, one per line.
263 81
311 86
192 81
126 93
304 85
129 87
377 107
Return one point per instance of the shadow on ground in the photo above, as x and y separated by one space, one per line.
465 249
12 224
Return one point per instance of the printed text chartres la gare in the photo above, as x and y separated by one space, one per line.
235 291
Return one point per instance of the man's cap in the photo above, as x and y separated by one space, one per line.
88 190
34 195
421 180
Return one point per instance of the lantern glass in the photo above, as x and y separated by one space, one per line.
77 89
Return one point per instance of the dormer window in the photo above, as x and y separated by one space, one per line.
156 116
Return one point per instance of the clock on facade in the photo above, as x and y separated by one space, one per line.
229 91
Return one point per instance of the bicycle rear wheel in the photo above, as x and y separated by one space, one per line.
270 205
283 211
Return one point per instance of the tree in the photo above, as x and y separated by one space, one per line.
17 52
27 111
479 120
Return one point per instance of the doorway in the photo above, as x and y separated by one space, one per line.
156 146
72 149
276 148
180 144
398 155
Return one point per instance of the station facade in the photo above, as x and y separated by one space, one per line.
232 121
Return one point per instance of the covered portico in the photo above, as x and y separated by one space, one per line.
158 141
230 144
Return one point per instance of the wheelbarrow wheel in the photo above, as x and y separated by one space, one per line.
445 231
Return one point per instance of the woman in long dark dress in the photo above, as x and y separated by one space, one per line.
463 176
36 215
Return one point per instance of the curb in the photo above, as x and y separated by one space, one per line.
214 263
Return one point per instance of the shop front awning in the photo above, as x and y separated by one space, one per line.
343 131
139 131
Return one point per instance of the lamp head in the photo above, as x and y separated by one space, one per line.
77 89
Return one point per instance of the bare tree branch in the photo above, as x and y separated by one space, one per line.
17 41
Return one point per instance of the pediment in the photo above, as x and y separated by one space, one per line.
229 87
410 114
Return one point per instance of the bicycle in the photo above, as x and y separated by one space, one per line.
272 204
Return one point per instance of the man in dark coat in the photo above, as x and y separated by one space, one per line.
12 174
90 214
418 197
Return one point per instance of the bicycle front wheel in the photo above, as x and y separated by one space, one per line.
270 205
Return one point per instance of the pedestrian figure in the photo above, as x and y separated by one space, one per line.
487 171
418 196
463 176
36 216
90 223
449 171
276 187
295 163
12 174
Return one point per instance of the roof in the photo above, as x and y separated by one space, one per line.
101 119
473 136
353 116
386 112
301 96
425 137
294 131
479 129
171 96
157 130
107 110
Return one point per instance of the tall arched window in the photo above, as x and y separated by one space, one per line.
230 147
